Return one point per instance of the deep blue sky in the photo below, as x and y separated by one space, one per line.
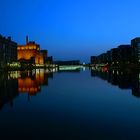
71 29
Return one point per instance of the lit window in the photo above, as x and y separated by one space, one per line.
30 48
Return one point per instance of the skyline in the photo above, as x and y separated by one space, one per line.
69 29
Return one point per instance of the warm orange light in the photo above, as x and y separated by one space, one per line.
29 51
28 85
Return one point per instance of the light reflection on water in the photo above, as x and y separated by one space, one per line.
84 104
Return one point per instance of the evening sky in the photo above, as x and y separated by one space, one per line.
71 29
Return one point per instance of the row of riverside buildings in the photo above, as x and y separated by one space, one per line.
123 54
14 55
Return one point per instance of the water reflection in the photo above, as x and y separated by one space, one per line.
123 79
30 82
8 90
14 83
72 108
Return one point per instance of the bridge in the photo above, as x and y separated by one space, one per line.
70 67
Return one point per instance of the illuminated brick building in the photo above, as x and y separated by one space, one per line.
30 52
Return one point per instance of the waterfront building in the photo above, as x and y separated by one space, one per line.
114 55
44 54
93 59
135 44
30 53
125 54
100 59
104 58
108 57
8 51
49 60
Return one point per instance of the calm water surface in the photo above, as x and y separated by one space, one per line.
80 105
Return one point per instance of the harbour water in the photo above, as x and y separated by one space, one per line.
70 105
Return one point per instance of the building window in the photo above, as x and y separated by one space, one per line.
30 48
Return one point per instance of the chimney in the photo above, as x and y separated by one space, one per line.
26 39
